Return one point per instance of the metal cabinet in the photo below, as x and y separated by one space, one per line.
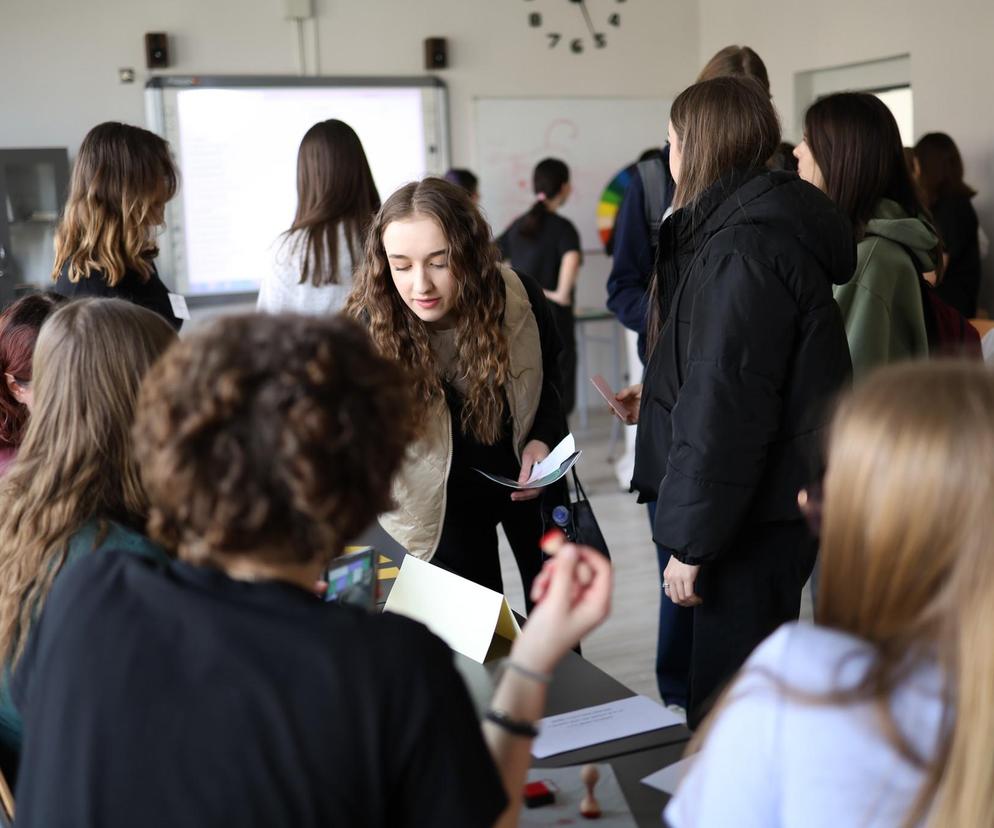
33 187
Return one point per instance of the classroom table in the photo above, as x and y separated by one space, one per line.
576 684
583 318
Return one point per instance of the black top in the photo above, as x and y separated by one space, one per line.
957 223
550 423
172 695
541 256
736 395
149 293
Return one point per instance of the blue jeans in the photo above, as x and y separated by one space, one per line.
676 635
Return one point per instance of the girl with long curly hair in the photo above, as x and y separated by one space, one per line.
480 345
74 487
105 244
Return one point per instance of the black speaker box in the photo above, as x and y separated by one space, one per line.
156 50
436 53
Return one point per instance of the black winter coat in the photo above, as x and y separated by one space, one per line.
736 396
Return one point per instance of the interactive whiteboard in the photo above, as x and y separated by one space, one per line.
596 137
235 140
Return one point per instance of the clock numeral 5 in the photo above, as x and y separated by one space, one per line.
614 19
576 45
600 41
553 39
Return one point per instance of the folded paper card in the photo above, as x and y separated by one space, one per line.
601 723
465 615
548 471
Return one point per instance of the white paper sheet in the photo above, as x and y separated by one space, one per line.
669 778
601 723
559 455
552 468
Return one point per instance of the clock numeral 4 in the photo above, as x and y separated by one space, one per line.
553 39
576 45
614 19
600 41
535 19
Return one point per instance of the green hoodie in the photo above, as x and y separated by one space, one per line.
882 303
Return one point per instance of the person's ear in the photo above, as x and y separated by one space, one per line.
18 392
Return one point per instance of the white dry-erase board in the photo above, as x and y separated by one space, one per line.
596 137
235 140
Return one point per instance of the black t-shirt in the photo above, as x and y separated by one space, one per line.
150 293
169 696
956 221
541 256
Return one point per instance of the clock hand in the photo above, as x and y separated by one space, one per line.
586 16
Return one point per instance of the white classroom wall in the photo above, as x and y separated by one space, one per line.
951 45
59 59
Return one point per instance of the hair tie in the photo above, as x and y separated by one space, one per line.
540 196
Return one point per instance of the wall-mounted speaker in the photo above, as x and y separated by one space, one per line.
156 50
436 53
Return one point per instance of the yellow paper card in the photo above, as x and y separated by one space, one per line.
463 614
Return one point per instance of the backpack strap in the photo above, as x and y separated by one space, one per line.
654 184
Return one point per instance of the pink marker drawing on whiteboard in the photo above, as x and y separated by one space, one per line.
605 391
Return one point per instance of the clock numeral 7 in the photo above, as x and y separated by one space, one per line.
614 19
553 39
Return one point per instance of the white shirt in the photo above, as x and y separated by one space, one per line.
281 289
776 760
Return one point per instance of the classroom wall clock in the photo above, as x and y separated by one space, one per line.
575 25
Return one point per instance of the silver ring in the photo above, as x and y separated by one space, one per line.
666 587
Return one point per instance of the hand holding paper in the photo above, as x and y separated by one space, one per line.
534 452
544 473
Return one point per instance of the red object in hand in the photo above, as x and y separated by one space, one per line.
538 794
552 541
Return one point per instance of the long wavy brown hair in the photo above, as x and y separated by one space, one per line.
121 181
335 188
76 462
474 261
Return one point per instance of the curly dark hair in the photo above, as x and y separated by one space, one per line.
270 435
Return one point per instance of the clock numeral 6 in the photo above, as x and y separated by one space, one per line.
600 41
553 39
576 45
535 19
614 19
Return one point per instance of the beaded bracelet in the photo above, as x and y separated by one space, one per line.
541 678
515 727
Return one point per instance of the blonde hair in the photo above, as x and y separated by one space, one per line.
906 566
121 181
908 497
474 261
76 462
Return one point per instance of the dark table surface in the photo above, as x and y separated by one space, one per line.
576 684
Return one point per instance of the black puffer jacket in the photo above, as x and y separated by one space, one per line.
737 392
